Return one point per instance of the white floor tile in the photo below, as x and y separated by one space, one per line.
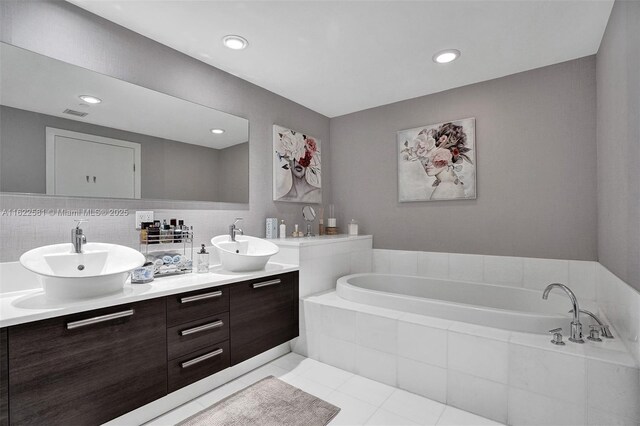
367 390
454 417
219 393
361 400
414 407
387 418
309 386
352 410
177 415
264 371
327 375
292 362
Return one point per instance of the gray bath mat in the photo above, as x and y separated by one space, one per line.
267 402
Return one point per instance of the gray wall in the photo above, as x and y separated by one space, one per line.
536 168
65 32
618 118
233 169
171 170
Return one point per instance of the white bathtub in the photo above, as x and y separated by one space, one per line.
509 308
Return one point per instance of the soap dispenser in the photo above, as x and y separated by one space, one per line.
203 260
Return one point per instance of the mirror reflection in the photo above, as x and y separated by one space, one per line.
69 131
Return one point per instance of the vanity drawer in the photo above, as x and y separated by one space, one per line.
191 336
198 365
186 307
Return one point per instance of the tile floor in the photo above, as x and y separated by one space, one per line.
362 401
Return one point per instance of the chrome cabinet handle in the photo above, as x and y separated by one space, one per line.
200 297
201 358
266 283
203 327
101 318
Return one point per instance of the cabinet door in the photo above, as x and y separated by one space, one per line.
264 314
88 168
88 368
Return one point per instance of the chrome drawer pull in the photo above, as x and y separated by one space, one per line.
203 327
266 283
101 318
201 358
201 297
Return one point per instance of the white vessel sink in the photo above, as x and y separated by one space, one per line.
245 254
99 270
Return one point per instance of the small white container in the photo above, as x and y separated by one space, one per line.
331 222
272 227
283 230
353 227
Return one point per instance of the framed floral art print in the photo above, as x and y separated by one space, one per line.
297 174
437 162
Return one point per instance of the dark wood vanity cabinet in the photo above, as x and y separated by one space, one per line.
92 367
4 378
88 368
264 314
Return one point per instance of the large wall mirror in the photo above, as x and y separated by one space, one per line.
69 131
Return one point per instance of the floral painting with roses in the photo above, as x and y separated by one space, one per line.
297 174
437 162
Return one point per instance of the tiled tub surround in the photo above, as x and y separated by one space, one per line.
512 377
612 299
324 259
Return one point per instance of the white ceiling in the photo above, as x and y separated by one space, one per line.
34 82
337 57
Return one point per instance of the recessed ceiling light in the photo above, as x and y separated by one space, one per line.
90 99
217 131
446 56
235 42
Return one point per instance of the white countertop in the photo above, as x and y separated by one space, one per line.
22 306
319 239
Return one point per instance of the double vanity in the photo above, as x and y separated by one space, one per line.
90 360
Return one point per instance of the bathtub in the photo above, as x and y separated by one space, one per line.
509 308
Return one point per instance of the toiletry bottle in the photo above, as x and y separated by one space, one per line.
143 232
173 223
295 230
353 227
164 232
283 229
153 233
177 236
203 260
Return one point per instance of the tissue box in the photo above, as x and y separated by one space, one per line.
272 227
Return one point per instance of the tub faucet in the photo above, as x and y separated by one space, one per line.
77 237
576 326
233 230
605 328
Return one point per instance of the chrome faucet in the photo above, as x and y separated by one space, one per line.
233 230
77 236
576 326
605 328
